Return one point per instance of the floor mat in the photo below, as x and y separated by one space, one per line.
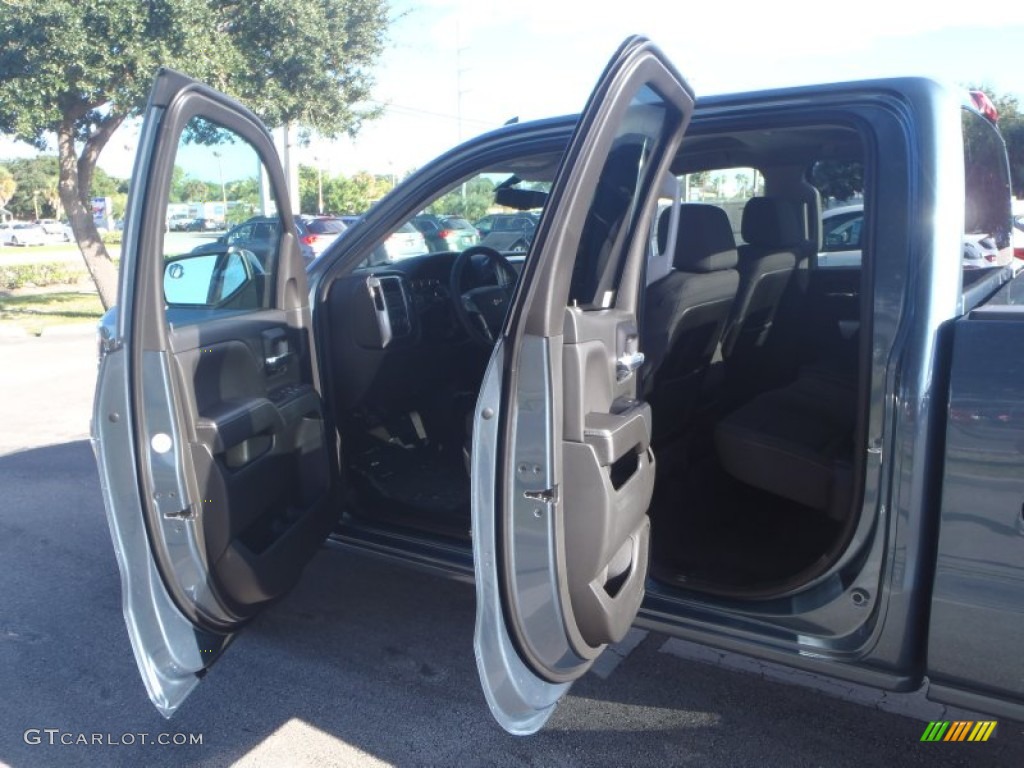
709 529
420 487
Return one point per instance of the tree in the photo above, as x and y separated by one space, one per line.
837 179
1011 125
470 201
34 177
7 186
77 69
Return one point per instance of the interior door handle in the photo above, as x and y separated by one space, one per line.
276 362
627 363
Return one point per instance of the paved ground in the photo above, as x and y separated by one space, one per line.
364 663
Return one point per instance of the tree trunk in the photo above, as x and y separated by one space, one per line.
73 196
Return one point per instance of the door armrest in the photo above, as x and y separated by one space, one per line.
612 435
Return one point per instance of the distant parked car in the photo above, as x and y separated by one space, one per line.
981 251
405 242
203 225
55 231
321 231
1018 228
179 222
259 235
840 236
508 232
525 223
446 233
841 241
21 233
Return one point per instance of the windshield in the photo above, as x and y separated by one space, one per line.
513 195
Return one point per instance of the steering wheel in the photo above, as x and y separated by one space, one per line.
481 309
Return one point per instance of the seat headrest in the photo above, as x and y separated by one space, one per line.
705 242
772 223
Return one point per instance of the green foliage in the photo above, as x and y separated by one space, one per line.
238 213
51 273
838 180
8 185
40 175
113 237
342 194
91 61
32 175
471 200
79 68
1013 133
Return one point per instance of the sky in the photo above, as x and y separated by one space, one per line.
453 69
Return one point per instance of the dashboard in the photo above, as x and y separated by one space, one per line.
393 331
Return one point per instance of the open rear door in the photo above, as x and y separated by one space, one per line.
562 467
207 424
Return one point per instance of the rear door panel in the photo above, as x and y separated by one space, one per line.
562 467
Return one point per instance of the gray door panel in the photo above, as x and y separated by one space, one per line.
563 472
976 620
608 464
208 425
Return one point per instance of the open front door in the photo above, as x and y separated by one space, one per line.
562 467
207 423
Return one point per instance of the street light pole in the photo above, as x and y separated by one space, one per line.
319 187
223 189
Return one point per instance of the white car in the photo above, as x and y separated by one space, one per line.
321 231
55 231
404 242
840 236
841 230
21 233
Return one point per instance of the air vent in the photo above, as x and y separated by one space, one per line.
391 302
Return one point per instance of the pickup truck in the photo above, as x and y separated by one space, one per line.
667 412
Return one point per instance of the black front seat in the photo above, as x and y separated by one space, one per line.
773 232
685 312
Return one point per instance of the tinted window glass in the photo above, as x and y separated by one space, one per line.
615 207
218 177
987 186
728 188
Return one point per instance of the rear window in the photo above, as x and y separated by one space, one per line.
457 224
408 229
987 187
325 226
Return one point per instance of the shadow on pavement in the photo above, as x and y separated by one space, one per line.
364 662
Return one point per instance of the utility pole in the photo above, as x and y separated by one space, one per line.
459 90
291 169
223 189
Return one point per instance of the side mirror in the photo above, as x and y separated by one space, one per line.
209 279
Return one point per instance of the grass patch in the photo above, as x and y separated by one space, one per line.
37 311
17 276
30 249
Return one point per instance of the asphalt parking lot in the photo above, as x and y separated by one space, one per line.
365 663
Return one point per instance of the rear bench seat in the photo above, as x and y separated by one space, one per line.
797 441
